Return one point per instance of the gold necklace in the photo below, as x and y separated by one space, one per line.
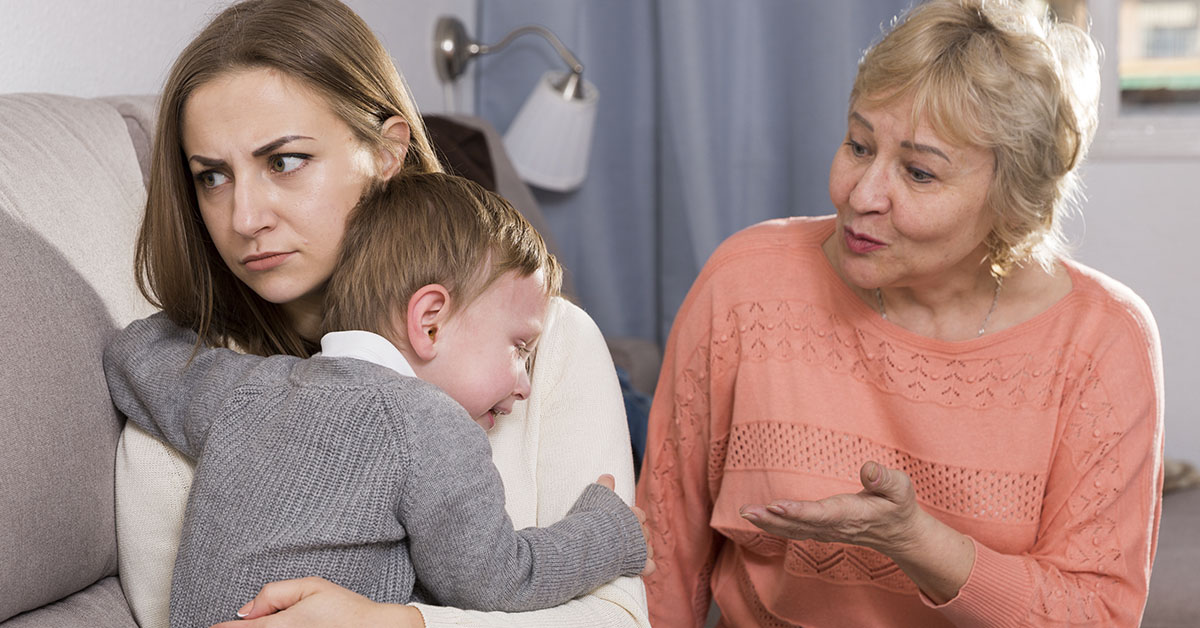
982 326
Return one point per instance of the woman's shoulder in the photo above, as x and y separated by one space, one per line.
1108 299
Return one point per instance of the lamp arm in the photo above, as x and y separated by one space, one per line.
476 48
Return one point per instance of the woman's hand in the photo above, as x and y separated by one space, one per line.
884 516
610 483
317 603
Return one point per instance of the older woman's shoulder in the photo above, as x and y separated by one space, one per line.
1107 295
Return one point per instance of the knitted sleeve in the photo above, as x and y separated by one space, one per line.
461 540
156 381
574 425
676 488
1091 563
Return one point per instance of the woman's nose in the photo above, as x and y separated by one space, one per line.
252 210
872 191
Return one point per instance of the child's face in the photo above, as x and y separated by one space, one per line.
483 350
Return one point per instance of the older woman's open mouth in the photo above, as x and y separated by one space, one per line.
859 243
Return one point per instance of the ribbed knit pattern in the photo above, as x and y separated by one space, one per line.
1042 442
342 469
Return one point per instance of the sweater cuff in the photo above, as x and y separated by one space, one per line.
622 525
999 586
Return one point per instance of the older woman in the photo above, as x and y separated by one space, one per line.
917 412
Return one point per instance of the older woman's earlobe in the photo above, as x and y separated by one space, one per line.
396 137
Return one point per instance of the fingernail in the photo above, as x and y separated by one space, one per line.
777 509
245 610
872 471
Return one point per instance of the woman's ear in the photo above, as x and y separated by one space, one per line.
428 309
396 137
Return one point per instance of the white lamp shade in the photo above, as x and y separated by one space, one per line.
551 137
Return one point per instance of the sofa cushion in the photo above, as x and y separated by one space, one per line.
70 197
101 604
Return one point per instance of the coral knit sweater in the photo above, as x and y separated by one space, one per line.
1041 442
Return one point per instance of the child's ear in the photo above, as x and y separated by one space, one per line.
396 136
428 309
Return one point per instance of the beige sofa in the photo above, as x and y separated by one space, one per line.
71 194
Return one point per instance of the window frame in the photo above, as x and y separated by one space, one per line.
1126 134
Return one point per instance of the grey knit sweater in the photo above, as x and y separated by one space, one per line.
343 469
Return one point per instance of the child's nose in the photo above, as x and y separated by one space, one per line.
521 391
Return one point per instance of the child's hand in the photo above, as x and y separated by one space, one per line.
608 482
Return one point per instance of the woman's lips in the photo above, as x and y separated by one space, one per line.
860 244
264 261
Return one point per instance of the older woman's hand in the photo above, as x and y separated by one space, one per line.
884 516
318 603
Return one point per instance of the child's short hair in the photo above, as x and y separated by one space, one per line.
428 228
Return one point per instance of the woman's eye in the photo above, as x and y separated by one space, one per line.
856 149
211 178
920 176
286 163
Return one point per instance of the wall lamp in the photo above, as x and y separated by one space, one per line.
551 136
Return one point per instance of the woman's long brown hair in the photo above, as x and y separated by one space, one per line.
326 46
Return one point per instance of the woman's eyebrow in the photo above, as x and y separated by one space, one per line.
275 144
924 148
854 115
209 162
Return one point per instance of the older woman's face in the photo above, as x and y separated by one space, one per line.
911 207
276 174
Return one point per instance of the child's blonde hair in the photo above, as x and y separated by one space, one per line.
430 228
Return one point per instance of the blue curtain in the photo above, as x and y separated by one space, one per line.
713 115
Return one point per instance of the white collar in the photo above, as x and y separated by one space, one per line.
367 346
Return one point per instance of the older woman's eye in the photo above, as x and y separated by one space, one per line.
856 149
920 176
287 163
211 178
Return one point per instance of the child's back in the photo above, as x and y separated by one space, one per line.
339 468
351 469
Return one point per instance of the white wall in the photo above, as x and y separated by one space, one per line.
1141 225
96 48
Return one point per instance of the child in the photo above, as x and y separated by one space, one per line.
345 468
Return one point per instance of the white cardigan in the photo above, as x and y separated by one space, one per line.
570 430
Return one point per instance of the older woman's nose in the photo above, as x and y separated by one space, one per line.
872 191
252 208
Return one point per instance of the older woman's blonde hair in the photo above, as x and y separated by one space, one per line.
990 73
328 48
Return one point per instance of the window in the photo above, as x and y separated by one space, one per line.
1150 74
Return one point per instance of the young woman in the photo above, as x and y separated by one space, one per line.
272 123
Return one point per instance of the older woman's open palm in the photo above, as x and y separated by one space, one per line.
882 516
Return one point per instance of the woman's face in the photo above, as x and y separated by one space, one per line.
276 173
911 207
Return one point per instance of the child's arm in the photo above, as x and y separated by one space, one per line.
462 542
153 384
